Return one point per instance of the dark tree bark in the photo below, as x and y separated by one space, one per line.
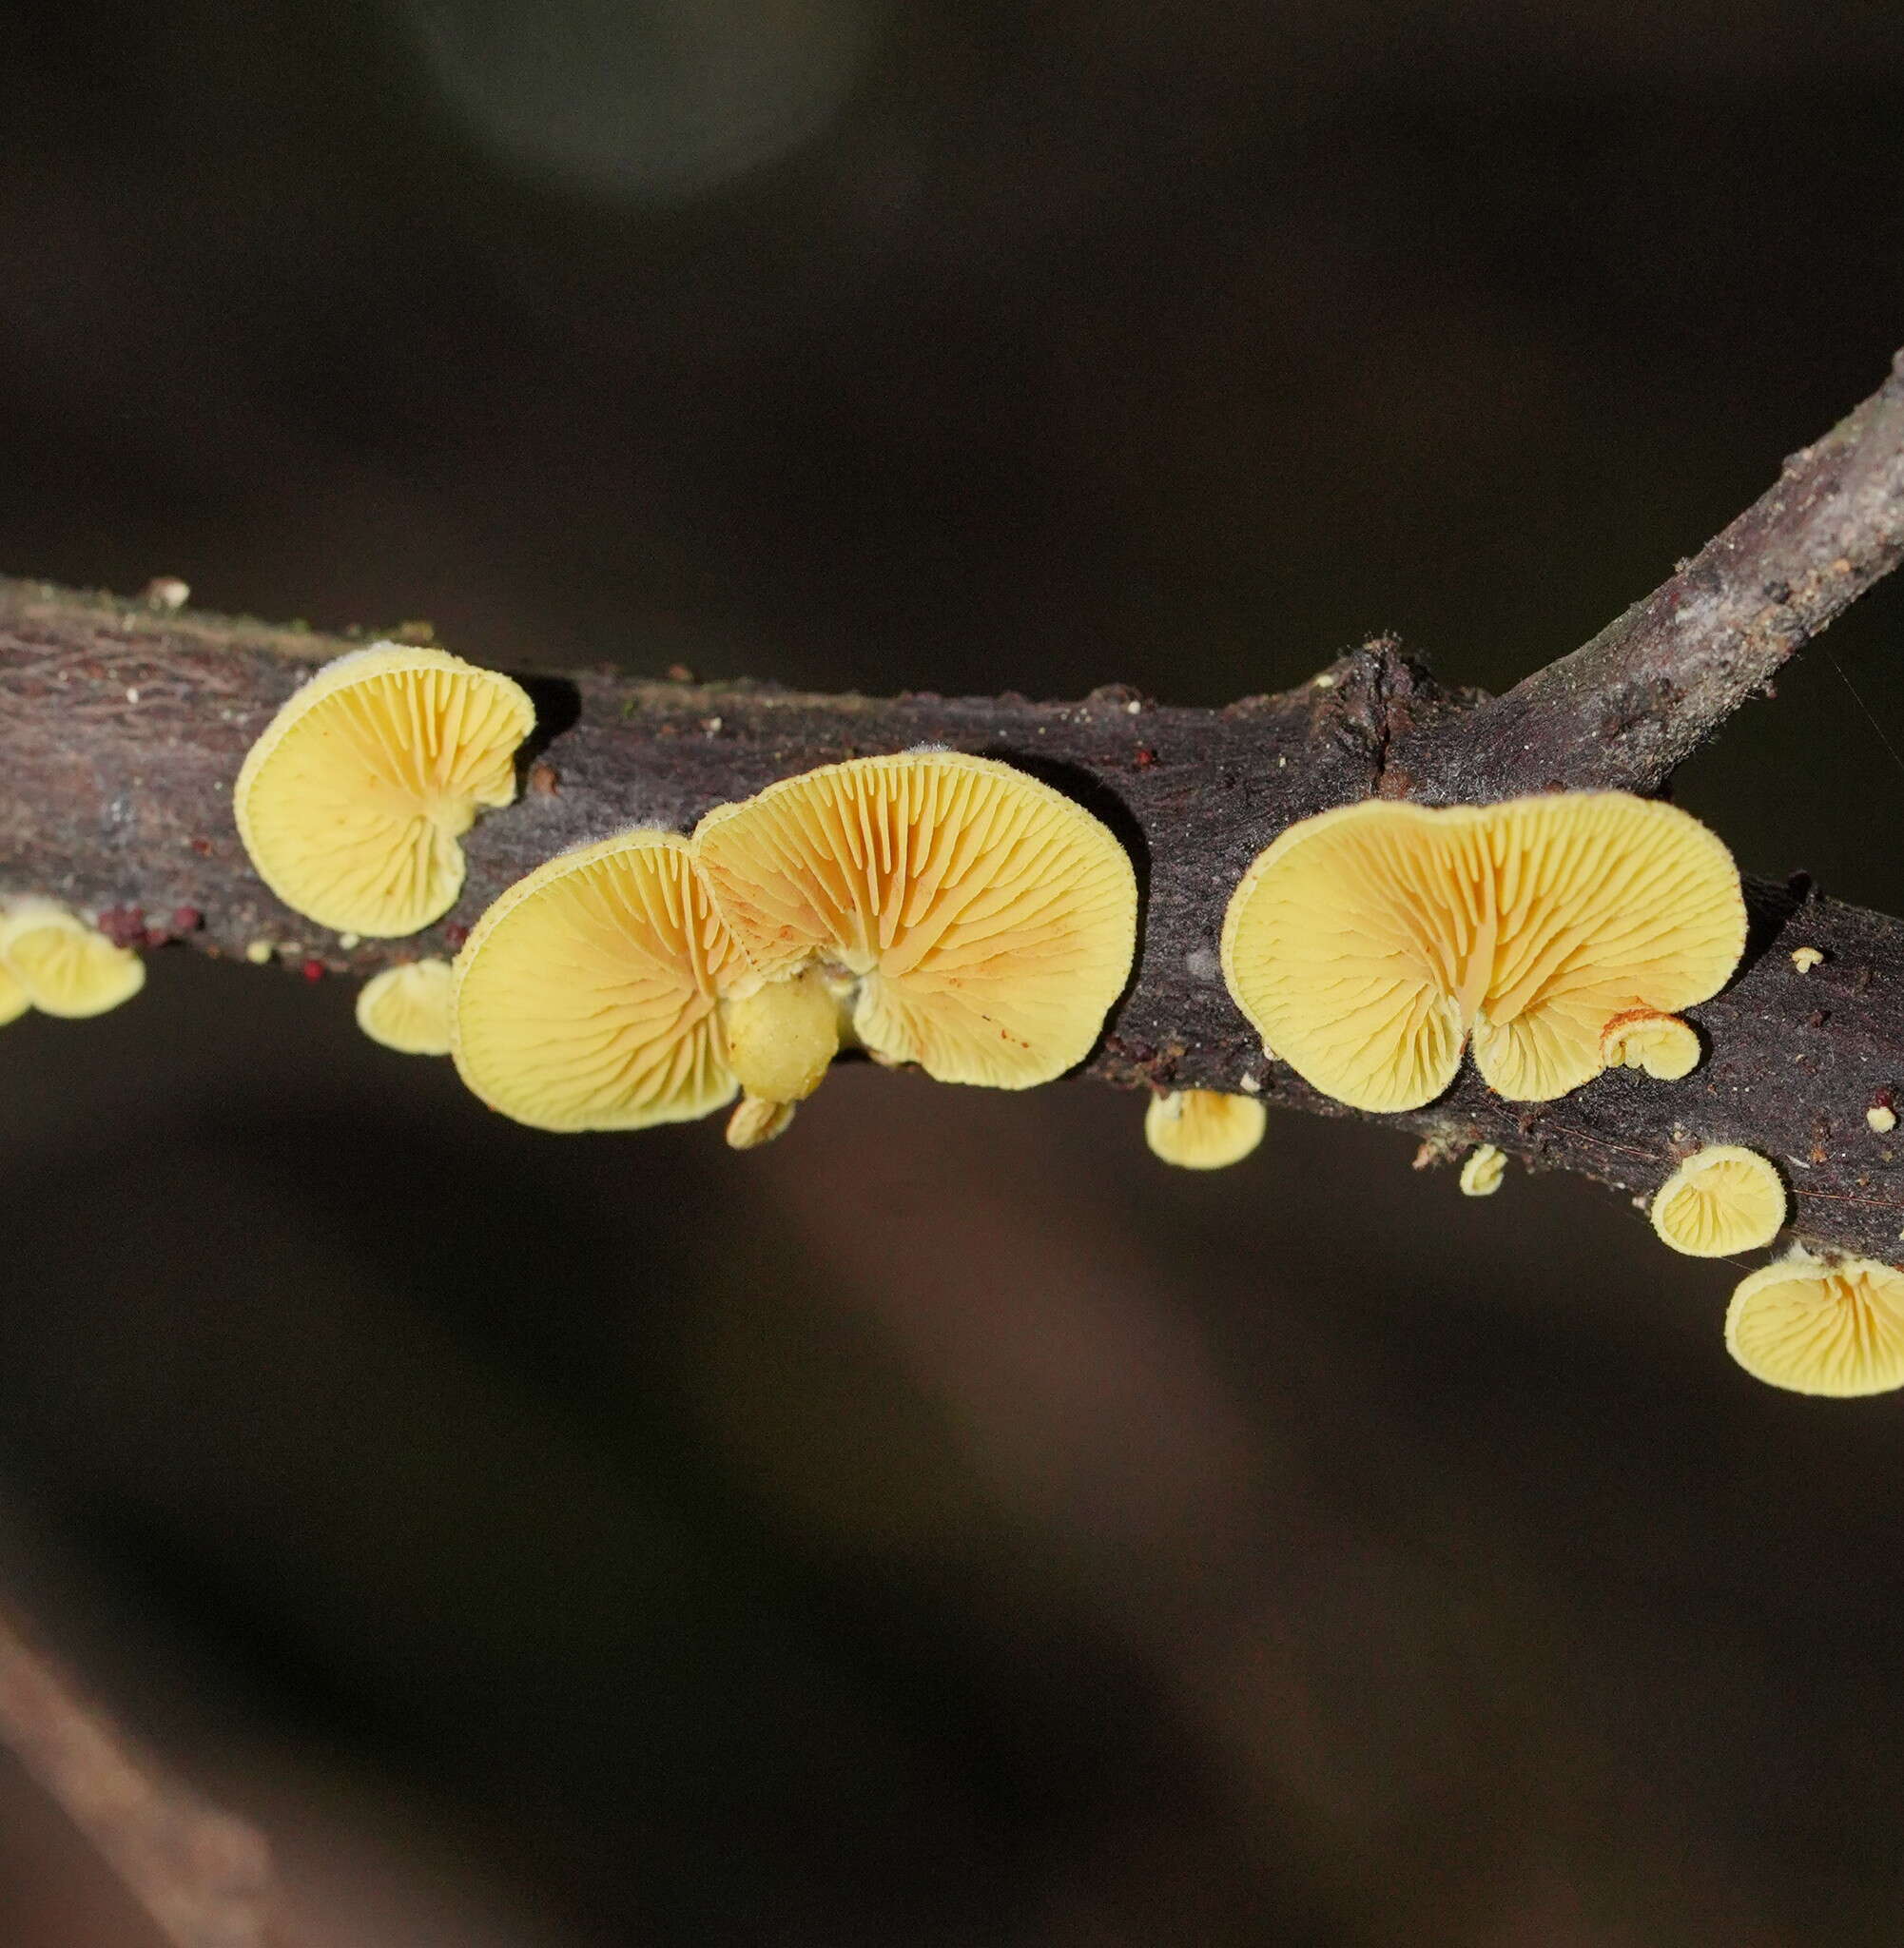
122 728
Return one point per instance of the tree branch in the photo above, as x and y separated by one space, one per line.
202 1876
122 728
1625 711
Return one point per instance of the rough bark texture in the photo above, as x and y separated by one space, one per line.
121 728
1626 709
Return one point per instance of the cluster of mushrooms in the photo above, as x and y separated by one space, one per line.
952 913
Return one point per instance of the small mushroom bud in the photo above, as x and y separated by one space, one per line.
755 1121
1482 1170
783 1037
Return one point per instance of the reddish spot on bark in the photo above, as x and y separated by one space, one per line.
125 926
156 937
543 780
312 970
202 847
455 934
1146 757
186 920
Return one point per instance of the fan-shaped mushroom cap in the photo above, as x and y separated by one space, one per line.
1664 1046
408 1008
63 965
1203 1129
1721 1199
988 921
1368 942
352 803
1816 1328
586 998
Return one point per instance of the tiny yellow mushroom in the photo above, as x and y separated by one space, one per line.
1721 1199
1664 1046
955 912
354 802
1482 1170
588 997
1834 1328
1203 1129
1881 1117
1368 945
1805 959
62 965
409 1007
755 1121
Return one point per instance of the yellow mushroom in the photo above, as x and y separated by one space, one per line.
960 914
757 1120
1482 1170
62 965
1815 1327
1664 1046
353 803
1369 943
1721 1199
587 996
1203 1129
408 1008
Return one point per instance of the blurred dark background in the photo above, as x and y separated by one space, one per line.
947 1527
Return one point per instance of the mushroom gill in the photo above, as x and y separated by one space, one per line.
1811 1327
1368 945
1721 1199
587 998
973 920
1203 1129
353 802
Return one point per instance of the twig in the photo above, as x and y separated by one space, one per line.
203 1877
121 730
1626 709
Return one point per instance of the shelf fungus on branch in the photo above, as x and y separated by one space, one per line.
1370 943
1721 1199
1812 1327
353 803
51 960
950 910
587 998
408 1008
1203 1129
